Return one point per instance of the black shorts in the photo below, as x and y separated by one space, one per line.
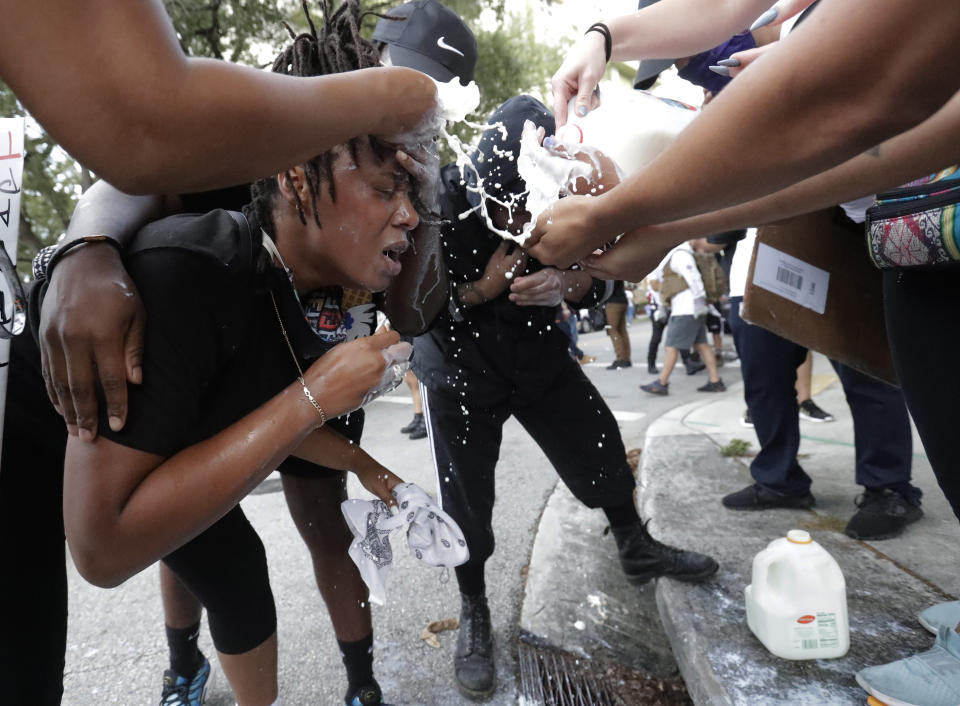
349 425
714 324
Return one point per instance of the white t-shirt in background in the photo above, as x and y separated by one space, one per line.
692 301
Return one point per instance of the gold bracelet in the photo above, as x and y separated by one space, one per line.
312 400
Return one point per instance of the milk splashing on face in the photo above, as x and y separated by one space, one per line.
454 103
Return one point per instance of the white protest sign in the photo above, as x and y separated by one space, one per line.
12 305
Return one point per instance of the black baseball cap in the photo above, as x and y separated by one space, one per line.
430 38
492 158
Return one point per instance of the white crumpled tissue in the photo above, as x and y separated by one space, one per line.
432 535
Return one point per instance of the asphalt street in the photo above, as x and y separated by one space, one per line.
116 652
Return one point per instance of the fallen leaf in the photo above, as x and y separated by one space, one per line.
429 634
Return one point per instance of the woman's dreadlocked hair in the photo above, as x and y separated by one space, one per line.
336 48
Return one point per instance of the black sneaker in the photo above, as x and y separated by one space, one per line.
643 558
656 388
717 386
617 364
473 662
694 368
365 695
746 420
653 369
753 497
812 413
882 514
417 420
419 430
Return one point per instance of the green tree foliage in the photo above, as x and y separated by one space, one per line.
250 32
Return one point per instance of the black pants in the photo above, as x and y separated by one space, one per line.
33 589
568 420
921 312
224 566
884 446
656 335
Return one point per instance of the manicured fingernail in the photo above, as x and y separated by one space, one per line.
549 141
528 125
137 375
765 19
729 62
582 111
116 424
722 70
85 435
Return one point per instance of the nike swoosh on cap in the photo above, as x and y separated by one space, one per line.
443 45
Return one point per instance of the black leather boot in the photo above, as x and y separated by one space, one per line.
417 421
644 558
419 428
473 663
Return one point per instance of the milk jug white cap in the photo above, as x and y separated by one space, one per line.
799 537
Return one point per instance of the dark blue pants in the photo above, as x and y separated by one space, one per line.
884 446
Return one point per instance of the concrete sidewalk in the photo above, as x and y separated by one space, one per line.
888 582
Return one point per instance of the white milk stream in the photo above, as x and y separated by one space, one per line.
631 127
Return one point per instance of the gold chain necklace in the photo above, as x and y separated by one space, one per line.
306 390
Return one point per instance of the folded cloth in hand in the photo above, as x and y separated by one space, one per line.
432 535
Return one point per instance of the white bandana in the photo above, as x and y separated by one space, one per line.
432 535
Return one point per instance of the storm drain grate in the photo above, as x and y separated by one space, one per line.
549 677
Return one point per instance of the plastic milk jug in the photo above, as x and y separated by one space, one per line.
631 127
797 603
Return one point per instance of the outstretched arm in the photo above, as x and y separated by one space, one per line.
782 120
124 508
325 447
670 29
927 148
109 82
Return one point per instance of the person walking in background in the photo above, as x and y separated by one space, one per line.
658 322
682 289
567 321
417 428
810 411
659 316
615 311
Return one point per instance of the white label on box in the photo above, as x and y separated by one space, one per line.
791 278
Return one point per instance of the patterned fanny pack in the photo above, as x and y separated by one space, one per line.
916 227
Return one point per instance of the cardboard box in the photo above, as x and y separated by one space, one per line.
812 282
